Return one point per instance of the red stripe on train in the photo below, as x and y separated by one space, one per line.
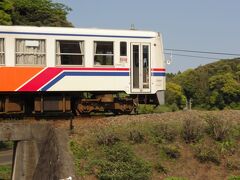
158 69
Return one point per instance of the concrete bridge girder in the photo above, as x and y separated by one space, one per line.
40 152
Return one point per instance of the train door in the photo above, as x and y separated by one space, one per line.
140 67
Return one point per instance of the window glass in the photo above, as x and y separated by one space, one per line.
2 61
145 66
103 53
30 52
70 52
123 48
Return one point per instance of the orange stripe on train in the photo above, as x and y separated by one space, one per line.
12 78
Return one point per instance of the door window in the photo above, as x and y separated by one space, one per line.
135 66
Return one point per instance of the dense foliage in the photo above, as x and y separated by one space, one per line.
33 13
216 85
6 7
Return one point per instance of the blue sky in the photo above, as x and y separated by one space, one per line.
206 25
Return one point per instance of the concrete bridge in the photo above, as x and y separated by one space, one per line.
40 151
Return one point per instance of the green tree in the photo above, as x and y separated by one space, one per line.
5 12
214 85
224 90
174 95
33 13
187 80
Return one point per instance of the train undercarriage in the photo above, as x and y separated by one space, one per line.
69 104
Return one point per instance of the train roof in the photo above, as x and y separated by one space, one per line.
76 31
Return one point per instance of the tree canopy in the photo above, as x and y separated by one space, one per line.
33 13
6 7
215 85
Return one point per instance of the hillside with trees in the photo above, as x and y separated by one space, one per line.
212 86
34 13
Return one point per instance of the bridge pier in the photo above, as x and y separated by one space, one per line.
25 160
40 151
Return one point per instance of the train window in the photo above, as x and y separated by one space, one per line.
2 61
70 52
30 52
123 48
103 53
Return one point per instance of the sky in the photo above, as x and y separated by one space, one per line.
203 25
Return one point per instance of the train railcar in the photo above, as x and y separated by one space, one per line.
55 69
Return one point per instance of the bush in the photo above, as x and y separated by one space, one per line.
107 138
145 109
205 154
164 133
160 168
192 130
174 107
136 137
121 163
171 151
218 128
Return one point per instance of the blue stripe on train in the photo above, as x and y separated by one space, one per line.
158 74
54 81
83 35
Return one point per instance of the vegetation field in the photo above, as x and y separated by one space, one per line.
173 145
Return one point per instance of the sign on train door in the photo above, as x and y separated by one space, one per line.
140 67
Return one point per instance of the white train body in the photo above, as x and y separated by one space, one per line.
56 59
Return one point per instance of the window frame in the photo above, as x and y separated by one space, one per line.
33 65
77 54
4 51
113 55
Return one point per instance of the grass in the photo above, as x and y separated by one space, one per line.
158 148
5 172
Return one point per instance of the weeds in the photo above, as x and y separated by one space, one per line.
171 151
121 163
205 153
218 128
107 138
227 146
136 137
192 130
160 168
164 133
